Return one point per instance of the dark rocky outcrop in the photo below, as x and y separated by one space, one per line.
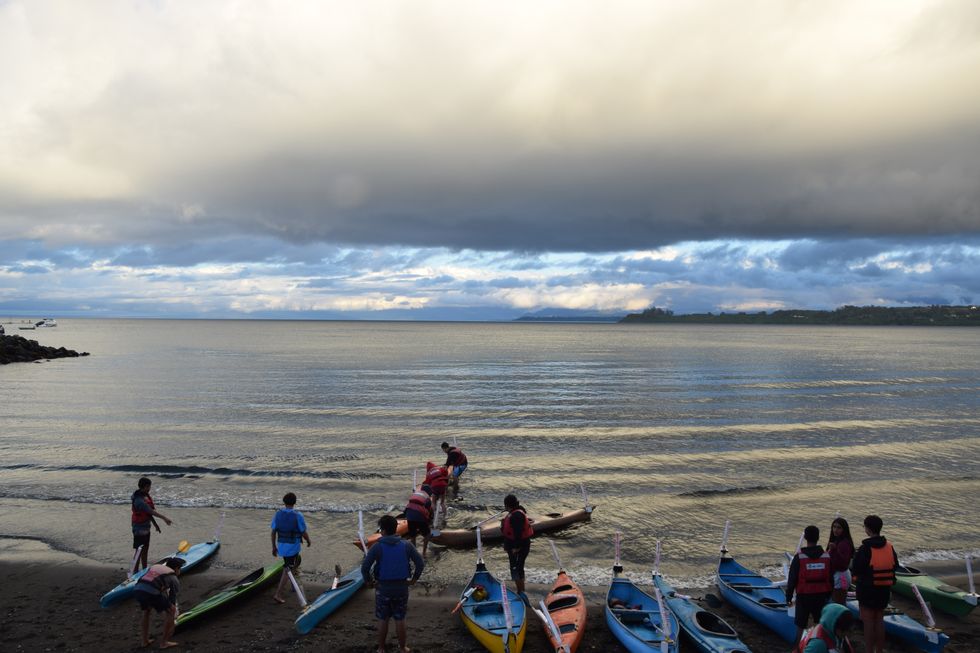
15 349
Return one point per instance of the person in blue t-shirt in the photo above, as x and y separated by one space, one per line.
288 528
396 565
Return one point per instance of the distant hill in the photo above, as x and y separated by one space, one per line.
845 315
571 315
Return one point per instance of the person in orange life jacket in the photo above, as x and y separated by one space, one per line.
841 550
517 531
158 589
874 574
811 579
418 514
830 635
437 478
143 513
288 528
396 565
456 463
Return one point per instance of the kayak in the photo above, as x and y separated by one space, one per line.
192 557
566 610
485 614
462 538
636 620
756 596
709 632
939 595
901 626
330 600
247 585
402 530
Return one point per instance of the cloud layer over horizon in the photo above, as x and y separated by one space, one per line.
474 159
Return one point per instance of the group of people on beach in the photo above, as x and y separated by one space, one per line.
821 577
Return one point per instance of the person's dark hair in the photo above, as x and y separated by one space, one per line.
174 563
444 445
510 502
811 534
388 525
144 482
844 622
873 523
845 531
289 499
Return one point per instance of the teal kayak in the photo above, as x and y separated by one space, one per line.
329 601
939 595
192 557
709 632
254 581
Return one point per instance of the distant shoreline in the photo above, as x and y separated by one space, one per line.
959 316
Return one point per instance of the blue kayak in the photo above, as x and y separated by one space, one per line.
193 556
634 617
709 632
328 602
756 596
901 626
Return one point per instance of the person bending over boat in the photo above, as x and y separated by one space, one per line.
143 517
391 565
811 579
517 531
456 463
418 514
288 528
437 478
830 635
841 550
874 574
158 589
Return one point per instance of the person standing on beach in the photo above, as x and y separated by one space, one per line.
143 517
517 531
811 579
391 565
874 574
288 528
158 589
456 463
841 550
418 514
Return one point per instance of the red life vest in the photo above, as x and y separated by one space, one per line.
883 565
460 456
417 503
507 528
818 632
140 517
815 575
437 478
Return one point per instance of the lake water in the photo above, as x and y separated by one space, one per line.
672 429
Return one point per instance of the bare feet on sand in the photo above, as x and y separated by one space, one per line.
168 644
278 600
147 642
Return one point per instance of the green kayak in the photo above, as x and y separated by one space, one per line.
247 585
949 599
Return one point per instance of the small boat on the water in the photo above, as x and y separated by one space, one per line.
941 596
563 612
247 585
495 615
709 632
192 556
46 322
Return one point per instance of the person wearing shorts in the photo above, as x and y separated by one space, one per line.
811 579
392 565
874 574
517 531
418 514
288 529
456 463
143 513
157 590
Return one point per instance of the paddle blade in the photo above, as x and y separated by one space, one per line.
183 546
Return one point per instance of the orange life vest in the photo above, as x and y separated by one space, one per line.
883 565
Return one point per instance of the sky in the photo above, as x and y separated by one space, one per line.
383 159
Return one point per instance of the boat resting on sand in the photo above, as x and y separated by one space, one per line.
901 626
248 585
191 556
756 596
636 618
709 632
939 595
486 615
563 614
328 602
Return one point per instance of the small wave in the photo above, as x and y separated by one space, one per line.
728 490
942 554
196 471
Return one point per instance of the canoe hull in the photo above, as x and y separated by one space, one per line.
485 619
755 596
901 626
567 607
936 593
192 557
638 625
331 600
709 632
246 586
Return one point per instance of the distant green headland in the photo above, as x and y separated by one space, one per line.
845 315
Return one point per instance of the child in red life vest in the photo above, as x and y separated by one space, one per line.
517 531
437 478
418 514
811 579
143 513
830 635
158 589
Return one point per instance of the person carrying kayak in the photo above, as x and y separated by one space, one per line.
391 565
158 589
830 635
811 579
418 514
874 574
143 517
456 463
288 528
517 531
437 478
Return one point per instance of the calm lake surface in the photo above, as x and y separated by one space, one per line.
672 429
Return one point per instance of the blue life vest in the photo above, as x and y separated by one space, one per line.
287 526
392 561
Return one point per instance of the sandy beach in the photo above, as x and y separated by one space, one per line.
50 602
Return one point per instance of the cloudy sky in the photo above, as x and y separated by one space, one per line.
483 160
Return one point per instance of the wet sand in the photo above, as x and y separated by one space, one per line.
49 601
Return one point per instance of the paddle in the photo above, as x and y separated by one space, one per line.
136 557
585 497
552 627
217 530
664 620
462 599
925 608
508 617
554 552
336 577
297 588
656 561
360 530
724 539
479 546
969 574
617 536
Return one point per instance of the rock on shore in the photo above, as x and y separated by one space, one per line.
17 349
